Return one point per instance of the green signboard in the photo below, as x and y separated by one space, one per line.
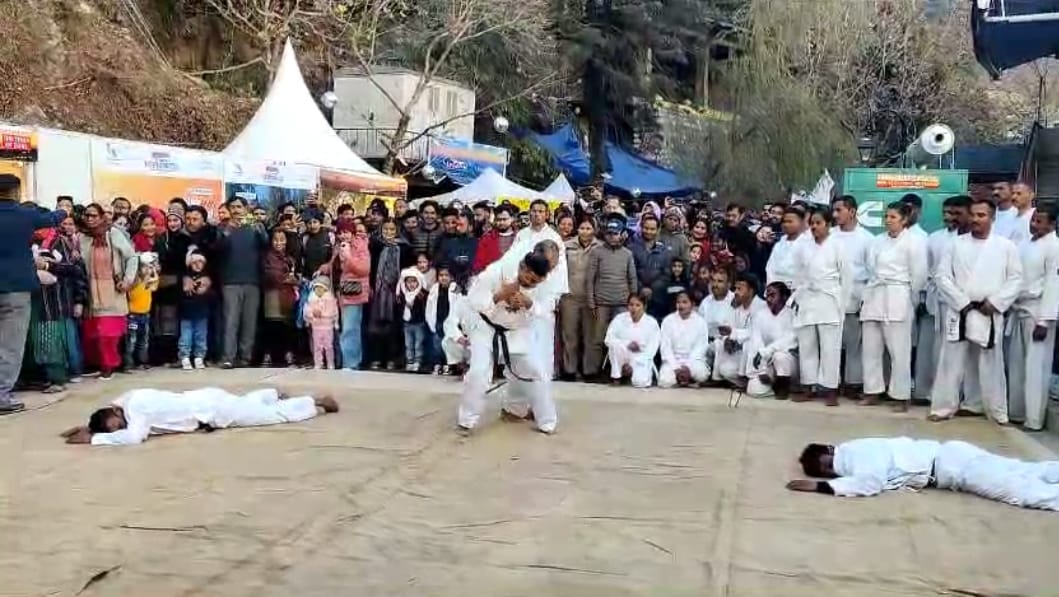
875 188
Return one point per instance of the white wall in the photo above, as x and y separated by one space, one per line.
63 167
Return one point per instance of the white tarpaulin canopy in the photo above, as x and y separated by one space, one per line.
560 189
490 186
288 127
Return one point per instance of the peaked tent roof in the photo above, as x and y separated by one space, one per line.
560 189
490 185
289 127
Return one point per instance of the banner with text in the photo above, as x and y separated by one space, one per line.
464 161
154 174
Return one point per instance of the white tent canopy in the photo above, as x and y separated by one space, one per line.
288 127
560 190
489 186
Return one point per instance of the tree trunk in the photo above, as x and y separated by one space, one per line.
396 142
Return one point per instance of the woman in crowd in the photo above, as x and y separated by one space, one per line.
389 255
67 243
565 226
111 265
350 271
60 298
280 297
683 346
632 342
171 245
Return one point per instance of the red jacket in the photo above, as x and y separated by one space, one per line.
488 251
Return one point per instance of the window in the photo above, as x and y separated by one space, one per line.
433 99
452 105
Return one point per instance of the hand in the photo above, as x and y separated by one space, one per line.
647 292
724 330
79 310
81 436
122 286
802 485
463 341
1040 332
506 292
987 308
72 431
634 346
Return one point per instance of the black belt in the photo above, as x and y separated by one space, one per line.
500 348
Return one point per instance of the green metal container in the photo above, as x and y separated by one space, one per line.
875 188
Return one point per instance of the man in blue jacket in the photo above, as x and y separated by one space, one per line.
18 278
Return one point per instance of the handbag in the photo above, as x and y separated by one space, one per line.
350 288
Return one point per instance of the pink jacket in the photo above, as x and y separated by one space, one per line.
353 263
321 312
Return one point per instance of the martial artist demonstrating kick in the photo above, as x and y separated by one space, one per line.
729 358
855 240
978 279
867 467
632 342
897 272
683 347
1030 330
771 363
505 303
135 415
825 281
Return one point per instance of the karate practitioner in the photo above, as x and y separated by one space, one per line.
455 343
1030 329
683 346
136 415
505 302
867 467
978 279
771 362
714 308
855 240
897 270
782 265
1022 197
632 342
729 360
821 294
956 215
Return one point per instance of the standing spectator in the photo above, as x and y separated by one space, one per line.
172 248
672 234
111 265
389 255
351 268
652 263
241 247
321 313
409 225
195 305
60 295
456 248
740 239
412 302
206 238
483 217
440 302
120 208
565 226
610 277
575 318
280 298
429 230
75 294
497 240
146 233
400 208
138 332
317 247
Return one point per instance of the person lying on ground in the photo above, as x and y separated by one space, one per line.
137 414
867 467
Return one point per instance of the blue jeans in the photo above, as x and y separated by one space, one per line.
137 339
415 335
194 334
437 354
75 359
350 339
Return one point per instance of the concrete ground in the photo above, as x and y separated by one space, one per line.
640 493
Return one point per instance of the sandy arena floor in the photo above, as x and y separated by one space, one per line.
640 493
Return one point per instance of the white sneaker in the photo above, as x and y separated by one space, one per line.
185 364
77 379
199 364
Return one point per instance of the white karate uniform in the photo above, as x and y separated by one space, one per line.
1005 222
156 412
961 466
897 274
732 366
683 344
869 466
624 331
929 325
1019 228
782 265
974 270
1029 363
714 311
453 326
855 245
773 338
525 360
825 281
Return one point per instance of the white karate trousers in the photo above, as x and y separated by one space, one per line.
1029 370
260 408
643 368
729 367
853 371
455 353
895 338
961 466
780 364
518 394
667 373
820 355
980 372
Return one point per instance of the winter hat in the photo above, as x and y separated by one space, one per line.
193 255
176 210
409 295
322 281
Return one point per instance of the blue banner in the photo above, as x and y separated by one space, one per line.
464 161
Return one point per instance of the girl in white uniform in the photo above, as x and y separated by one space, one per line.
632 342
897 273
684 342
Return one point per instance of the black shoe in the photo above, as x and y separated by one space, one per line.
227 365
9 408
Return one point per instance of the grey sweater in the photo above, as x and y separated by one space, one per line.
242 248
610 277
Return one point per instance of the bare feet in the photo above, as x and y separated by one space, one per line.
327 403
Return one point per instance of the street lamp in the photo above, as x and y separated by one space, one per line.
329 99
866 149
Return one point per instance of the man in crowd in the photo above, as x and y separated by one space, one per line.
610 277
241 246
574 315
424 239
496 241
653 259
855 240
456 247
1006 213
1022 197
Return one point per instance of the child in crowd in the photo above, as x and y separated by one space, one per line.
427 270
194 311
441 305
138 336
412 302
280 299
321 313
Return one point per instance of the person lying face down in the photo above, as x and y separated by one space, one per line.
138 414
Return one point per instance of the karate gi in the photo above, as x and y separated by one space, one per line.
714 312
1005 222
525 358
1029 363
772 337
1019 230
825 281
732 366
975 270
549 291
897 274
855 245
782 265
961 466
155 412
453 328
928 326
683 344
869 466
623 331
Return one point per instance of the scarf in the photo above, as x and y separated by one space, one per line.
409 295
386 277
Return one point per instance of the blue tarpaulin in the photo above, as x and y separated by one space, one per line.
628 171
1001 44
